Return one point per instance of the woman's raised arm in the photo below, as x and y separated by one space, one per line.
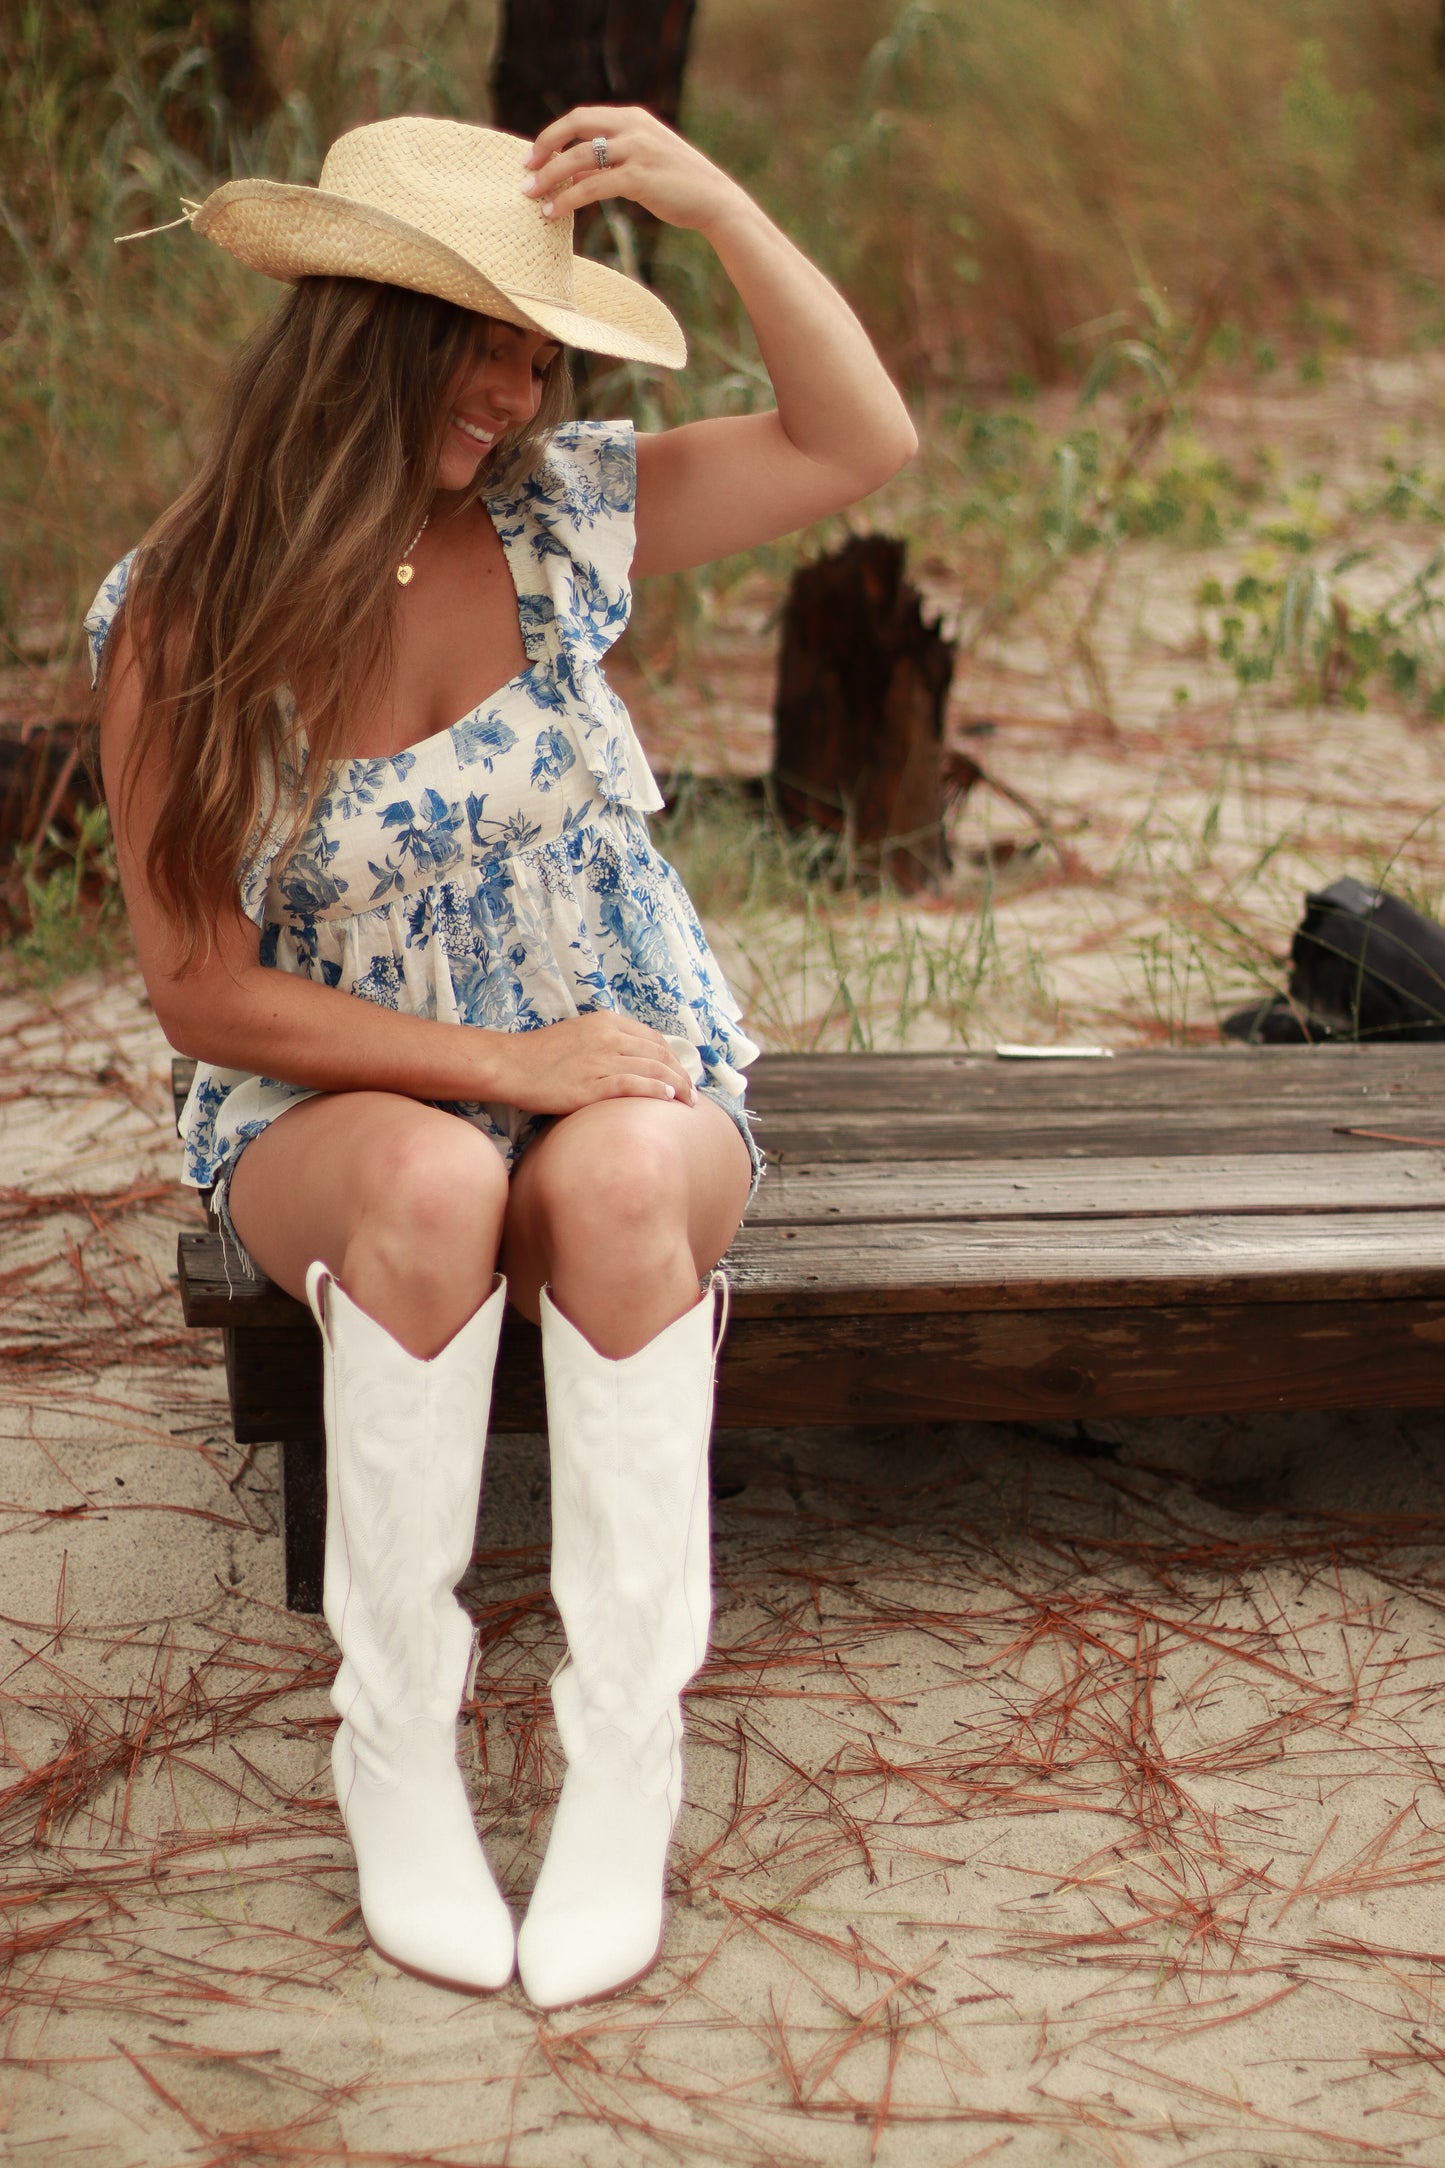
840 428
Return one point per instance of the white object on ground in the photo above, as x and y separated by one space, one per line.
1011 1052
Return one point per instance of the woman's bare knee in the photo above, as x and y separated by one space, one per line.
423 1245
621 1208
403 1202
618 1191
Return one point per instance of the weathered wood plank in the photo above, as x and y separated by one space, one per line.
216 1289
813 1271
920 1268
892 1192
1100 1131
981 1366
1060 1364
1199 1079
1191 1083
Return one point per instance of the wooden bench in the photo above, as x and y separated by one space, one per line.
947 1236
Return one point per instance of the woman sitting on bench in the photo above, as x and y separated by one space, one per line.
357 743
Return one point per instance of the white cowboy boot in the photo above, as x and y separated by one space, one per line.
631 1576
404 1446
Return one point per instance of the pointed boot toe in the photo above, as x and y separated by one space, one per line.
428 1899
564 1958
595 1920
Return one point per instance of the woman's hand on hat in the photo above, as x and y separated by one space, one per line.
647 162
605 1055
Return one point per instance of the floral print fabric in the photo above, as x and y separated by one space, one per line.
499 873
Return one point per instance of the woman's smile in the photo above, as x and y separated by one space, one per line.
467 443
505 379
477 431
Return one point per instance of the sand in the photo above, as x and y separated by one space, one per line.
1052 1797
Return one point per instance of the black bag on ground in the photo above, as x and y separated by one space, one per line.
1363 965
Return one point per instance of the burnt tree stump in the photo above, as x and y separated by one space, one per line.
862 684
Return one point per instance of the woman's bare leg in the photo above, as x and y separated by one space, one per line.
403 1202
404 1205
619 1210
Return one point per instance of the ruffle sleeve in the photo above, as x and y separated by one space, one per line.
571 533
105 609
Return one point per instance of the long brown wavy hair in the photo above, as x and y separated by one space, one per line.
275 569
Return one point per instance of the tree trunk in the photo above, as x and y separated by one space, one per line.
232 96
554 54
862 683
243 77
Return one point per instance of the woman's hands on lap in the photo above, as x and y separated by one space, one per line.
604 1055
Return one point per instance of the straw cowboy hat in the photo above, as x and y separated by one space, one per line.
438 206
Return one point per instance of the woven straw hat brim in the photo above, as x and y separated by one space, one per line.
289 231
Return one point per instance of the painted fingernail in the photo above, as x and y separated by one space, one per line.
669 1090
529 185
549 210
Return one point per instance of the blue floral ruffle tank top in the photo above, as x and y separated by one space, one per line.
498 873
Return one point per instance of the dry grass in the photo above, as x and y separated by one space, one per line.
994 180
1133 864
991 183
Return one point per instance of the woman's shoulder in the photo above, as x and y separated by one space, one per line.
103 612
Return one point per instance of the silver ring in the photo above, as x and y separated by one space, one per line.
599 150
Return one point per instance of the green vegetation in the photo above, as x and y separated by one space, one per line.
994 181
994 178
73 917
1067 225
830 965
1299 623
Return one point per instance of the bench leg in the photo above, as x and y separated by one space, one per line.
303 1519
273 1377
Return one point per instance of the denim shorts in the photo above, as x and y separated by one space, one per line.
732 1106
